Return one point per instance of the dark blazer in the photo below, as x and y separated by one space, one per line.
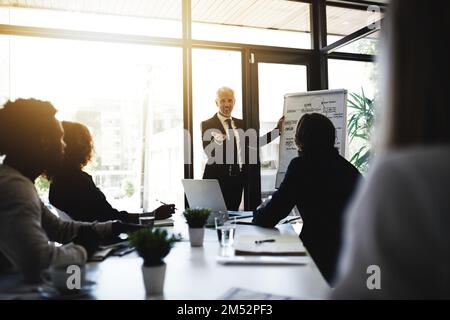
230 176
219 170
320 187
215 170
74 192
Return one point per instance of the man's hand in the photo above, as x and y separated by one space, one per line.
264 203
164 212
280 124
219 137
88 238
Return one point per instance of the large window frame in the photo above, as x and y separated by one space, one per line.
315 59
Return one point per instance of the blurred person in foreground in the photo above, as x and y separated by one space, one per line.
31 140
73 191
397 242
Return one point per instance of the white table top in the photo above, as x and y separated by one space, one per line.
193 273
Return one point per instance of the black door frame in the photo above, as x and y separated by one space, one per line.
251 59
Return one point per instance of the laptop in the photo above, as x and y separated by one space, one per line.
206 193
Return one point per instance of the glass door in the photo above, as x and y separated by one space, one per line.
212 69
272 76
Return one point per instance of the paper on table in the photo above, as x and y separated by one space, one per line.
101 255
258 260
286 245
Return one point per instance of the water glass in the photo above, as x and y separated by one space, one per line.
147 221
226 230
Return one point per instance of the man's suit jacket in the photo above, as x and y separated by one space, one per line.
249 152
220 170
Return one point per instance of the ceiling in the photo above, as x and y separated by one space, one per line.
267 14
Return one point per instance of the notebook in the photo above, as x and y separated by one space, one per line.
258 260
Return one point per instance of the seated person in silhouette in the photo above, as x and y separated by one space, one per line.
73 191
31 140
319 182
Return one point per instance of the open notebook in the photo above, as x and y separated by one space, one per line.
279 245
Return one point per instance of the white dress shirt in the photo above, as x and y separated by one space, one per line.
236 135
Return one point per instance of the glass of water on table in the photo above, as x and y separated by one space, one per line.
226 230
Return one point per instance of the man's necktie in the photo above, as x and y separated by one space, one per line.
233 148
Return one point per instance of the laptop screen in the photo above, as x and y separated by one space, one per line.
204 193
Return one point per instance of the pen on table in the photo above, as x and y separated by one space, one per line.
290 220
262 241
175 208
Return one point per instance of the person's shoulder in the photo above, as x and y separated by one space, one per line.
237 120
9 175
414 159
418 166
209 120
297 160
296 163
14 185
71 174
73 178
409 171
209 123
417 156
83 177
410 179
239 123
350 167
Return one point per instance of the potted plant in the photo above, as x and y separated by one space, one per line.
360 125
153 245
196 220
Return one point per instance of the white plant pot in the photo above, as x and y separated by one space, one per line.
196 236
154 278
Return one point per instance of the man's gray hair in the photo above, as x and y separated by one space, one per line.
221 89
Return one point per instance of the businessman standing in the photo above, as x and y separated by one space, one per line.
229 149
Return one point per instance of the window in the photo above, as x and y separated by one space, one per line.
357 77
343 21
274 81
160 18
130 96
212 69
164 130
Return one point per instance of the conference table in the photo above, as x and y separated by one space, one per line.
194 273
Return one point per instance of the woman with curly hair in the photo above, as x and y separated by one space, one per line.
73 191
